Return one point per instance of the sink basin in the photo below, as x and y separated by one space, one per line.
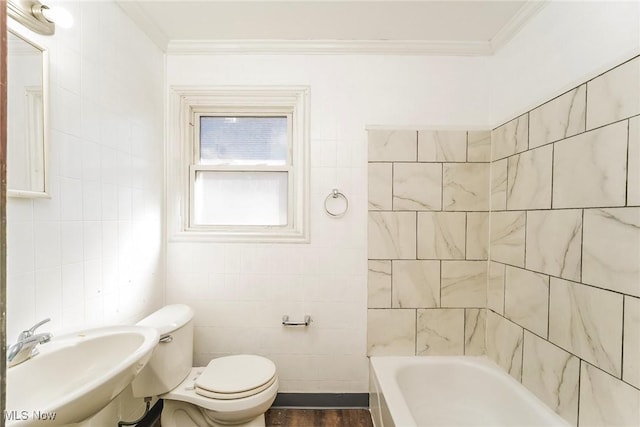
76 375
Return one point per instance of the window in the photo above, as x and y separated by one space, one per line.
237 164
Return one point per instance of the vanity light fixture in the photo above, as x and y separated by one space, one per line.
39 17
52 14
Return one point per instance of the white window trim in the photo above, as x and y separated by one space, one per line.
184 102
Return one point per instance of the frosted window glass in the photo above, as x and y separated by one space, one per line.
240 198
243 140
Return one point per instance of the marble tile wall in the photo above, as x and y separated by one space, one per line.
428 242
563 288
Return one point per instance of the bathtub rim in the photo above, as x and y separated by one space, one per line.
384 369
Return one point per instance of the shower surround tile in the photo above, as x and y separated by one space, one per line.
392 235
559 118
475 320
554 241
611 249
477 235
527 299
442 146
499 185
578 258
633 180
391 332
504 344
508 237
379 284
605 401
380 186
417 186
393 145
463 284
415 284
440 332
510 138
614 95
422 251
464 187
587 322
590 170
495 287
631 356
441 235
529 179
552 375
479 146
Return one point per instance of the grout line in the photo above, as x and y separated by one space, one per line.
442 186
553 167
548 307
586 104
464 331
626 188
624 304
581 245
579 385
467 151
562 278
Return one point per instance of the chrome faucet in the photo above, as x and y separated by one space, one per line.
25 346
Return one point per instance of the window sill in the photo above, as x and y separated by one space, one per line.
289 236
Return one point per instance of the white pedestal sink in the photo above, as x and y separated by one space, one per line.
76 375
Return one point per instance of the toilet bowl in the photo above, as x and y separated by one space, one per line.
231 390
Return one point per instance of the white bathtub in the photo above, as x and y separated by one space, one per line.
451 391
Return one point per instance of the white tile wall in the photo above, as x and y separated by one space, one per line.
92 253
81 257
332 269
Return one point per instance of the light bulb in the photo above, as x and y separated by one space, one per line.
58 15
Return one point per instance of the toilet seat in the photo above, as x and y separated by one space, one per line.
235 377
230 396
185 392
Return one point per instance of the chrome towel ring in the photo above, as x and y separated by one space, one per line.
336 211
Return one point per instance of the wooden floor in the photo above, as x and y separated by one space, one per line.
318 418
313 418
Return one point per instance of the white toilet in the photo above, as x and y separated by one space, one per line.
231 390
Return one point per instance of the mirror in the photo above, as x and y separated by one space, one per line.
26 118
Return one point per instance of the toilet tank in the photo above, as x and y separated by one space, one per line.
172 358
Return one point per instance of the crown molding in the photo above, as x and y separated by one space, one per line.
516 23
328 47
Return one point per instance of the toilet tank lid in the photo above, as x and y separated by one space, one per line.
168 318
